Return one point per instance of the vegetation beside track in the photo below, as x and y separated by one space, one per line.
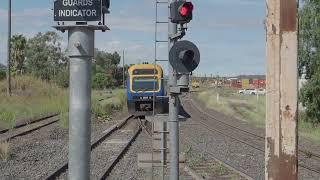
250 108
32 97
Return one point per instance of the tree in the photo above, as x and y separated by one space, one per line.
44 55
309 58
106 60
106 64
18 48
2 71
309 38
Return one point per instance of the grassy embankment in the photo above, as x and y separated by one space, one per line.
32 97
249 108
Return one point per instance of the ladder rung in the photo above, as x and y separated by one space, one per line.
161 41
161 60
162 22
159 166
161 132
162 2
160 149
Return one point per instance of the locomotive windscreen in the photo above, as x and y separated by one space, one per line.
144 71
145 84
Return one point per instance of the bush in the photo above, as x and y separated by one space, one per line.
2 75
102 81
104 103
310 98
62 79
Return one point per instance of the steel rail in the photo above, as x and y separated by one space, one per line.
26 129
120 155
57 172
206 126
28 121
305 152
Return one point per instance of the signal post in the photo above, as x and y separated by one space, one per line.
184 58
75 18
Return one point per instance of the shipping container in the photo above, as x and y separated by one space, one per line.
245 83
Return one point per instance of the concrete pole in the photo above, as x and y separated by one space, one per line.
281 144
174 105
9 51
123 71
81 50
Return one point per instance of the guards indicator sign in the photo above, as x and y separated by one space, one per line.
77 10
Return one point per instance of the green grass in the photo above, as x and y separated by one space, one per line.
193 157
32 97
219 169
106 102
244 107
251 109
308 130
5 151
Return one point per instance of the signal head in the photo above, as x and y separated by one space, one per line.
181 12
184 56
186 9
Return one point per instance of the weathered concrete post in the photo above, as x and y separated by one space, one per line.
281 155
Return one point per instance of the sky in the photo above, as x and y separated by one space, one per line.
229 33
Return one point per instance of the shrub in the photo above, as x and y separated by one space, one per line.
310 98
2 74
62 79
102 81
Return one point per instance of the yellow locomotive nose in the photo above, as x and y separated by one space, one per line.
145 90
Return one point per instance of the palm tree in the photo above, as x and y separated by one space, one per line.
18 48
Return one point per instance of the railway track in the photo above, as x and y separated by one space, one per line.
245 137
28 126
116 150
301 150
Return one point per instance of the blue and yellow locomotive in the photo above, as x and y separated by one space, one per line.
144 85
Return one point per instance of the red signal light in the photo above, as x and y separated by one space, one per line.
186 9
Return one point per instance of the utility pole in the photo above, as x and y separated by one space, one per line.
9 51
174 105
281 143
123 71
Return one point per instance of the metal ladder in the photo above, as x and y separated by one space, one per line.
159 135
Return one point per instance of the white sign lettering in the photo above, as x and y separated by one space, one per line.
77 10
77 3
81 13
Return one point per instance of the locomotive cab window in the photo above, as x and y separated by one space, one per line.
145 71
145 84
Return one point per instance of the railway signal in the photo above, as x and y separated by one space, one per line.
181 12
184 56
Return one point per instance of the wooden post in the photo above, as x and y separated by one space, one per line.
282 91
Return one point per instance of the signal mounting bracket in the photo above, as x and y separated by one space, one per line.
178 35
178 89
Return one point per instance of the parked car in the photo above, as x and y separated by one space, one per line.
261 91
247 91
252 91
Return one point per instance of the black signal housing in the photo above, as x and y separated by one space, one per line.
181 12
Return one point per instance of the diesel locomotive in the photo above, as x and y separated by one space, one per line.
146 90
